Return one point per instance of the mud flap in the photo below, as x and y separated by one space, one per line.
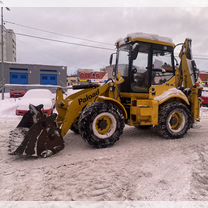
36 135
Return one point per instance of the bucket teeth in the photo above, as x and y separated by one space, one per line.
36 135
15 138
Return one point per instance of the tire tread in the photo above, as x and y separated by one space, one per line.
86 120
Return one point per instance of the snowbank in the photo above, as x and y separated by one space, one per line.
8 107
204 112
150 37
146 36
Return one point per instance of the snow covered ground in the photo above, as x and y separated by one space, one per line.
141 166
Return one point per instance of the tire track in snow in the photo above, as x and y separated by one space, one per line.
90 180
199 190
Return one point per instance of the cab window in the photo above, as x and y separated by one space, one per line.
162 67
139 70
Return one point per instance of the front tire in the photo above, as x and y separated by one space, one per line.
174 120
102 124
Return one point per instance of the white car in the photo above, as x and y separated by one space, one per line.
36 97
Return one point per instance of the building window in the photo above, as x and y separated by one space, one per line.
14 76
23 76
18 78
44 77
48 79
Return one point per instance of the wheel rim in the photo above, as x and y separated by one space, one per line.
176 121
104 125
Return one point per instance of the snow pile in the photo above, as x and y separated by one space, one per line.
168 93
23 104
120 42
204 112
36 93
150 37
146 36
8 107
36 97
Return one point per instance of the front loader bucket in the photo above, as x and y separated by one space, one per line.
36 135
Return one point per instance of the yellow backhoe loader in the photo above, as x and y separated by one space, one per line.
148 89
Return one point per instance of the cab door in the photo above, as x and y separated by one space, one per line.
140 67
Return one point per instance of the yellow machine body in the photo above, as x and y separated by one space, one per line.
70 108
99 112
144 107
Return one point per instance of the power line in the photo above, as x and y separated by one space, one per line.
197 57
205 57
60 41
201 55
55 33
201 58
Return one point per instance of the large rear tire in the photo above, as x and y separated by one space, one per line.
102 124
174 120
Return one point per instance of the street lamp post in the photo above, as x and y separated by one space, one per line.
2 48
2 51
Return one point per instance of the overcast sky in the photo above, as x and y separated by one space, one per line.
105 25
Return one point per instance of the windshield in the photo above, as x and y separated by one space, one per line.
123 60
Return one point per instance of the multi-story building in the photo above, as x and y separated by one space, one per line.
10 46
9 39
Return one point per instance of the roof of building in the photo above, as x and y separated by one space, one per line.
92 75
38 65
203 76
85 70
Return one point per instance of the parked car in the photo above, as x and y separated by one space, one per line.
36 97
204 96
16 93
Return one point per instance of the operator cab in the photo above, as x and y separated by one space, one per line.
144 60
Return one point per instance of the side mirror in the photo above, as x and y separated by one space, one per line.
111 59
195 70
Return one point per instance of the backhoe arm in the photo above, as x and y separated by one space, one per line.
188 71
189 76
